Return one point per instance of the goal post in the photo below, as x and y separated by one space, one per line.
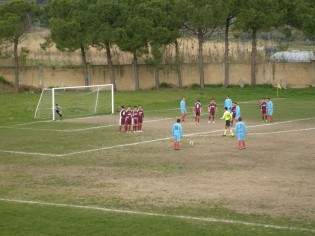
76 101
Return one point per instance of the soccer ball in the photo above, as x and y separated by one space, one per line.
191 142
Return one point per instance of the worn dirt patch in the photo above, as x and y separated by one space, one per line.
274 175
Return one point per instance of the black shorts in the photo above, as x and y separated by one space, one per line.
228 123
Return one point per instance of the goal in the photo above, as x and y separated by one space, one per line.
78 101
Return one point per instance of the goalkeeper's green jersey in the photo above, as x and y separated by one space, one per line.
227 115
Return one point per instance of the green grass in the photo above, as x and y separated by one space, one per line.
16 108
50 220
19 177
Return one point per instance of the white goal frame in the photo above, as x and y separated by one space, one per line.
111 86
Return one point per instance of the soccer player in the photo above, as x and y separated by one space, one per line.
58 111
233 112
237 112
122 118
228 103
212 109
263 109
177 132
227 116
128 120
135 119
269 110
183 108
197 111
240 130
140 118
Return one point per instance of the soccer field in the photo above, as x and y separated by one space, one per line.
82 177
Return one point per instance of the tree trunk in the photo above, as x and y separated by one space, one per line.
16 66
85 66
157 78
200 60
226 52
253 59
178 65
110 65
135 71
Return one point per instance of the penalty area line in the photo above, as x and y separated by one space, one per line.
148 141
184 217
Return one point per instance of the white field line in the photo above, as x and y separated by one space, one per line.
90 117
113 125
282 131
81 129
184 217
206 133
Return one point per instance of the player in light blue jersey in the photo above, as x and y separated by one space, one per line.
269 110
228 103
237 112
177 132
240 130
183 109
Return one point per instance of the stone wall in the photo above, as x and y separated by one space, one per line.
287 74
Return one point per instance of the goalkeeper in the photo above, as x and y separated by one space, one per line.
227 116
58 111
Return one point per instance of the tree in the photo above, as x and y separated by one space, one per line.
69 23
256 15
16 19
109 16
203 19
134 35
164 31
229 12
301 14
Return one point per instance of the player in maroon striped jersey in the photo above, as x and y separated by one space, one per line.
128 120
212 109
122 117
140 118
135 119
233 111
197 111
263 109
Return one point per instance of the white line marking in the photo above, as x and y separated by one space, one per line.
283 131
62 130
148 141
205 219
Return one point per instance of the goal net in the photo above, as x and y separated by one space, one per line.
79 101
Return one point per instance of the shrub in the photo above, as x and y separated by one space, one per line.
195 86
4 81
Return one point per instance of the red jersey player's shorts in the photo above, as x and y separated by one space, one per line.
212 111
135 121
197 112
140 120
122 120
128 120
263 111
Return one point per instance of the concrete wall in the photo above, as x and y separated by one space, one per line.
287 74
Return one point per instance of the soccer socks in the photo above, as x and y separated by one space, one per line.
243 144
176 145
183 117
231 132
